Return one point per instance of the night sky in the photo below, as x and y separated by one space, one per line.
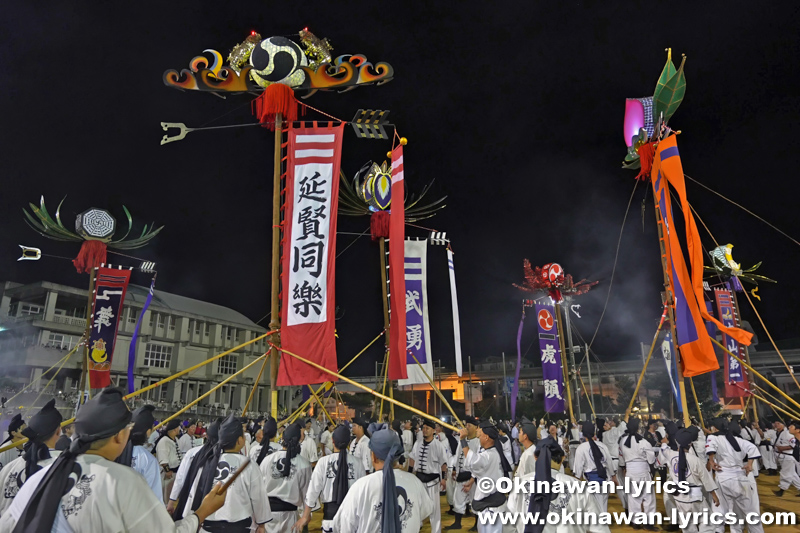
515 112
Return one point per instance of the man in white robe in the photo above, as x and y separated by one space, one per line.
246 503
359 448
186 441
287 475
784 451
408 440
136 456
767 448
684 466
489 462
571 500
326 439
167 454
429 462
465 482
15 436
527 460
259 452
636 456
388 501
308 448
103 496
738 492
593 462
184 486
43 431
331 479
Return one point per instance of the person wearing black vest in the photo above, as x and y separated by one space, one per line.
429 462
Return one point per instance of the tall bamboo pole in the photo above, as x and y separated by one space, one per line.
385 294
275 311
255 386
86 332
670 301
641 376
564 363
438 392
746 351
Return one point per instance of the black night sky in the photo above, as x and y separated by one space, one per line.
515 110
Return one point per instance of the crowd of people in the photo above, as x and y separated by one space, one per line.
111 471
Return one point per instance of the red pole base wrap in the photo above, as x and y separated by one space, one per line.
276 98
646 153
92 255
379 225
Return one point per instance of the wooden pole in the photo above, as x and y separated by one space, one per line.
86 332
438 392
255 386
564 363
321 406
644 369
367 389
385 295
670 302
275 311
697 403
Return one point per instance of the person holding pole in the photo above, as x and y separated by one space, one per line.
465 483
287 475
636 457
785 444
429 461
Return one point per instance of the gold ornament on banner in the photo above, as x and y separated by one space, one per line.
317 50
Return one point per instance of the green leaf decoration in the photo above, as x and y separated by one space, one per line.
671 96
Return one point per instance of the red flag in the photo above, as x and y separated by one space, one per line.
397 280
109 293
309 254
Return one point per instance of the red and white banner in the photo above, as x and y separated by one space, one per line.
309 251
397 281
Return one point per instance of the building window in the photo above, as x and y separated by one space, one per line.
226 364
157 355
171 323
161 320
229 333
131 315
197 327
62 342
30 309
205 329
152 318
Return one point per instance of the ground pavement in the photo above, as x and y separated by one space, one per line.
790 502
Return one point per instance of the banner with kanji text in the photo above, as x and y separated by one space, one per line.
309 253
109 293
418 336
550 351
736 384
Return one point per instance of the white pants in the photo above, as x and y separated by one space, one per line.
768 458
669 503
460 498
646 501
741 497
450 487
493 523
573 448
696 507
788 472
621 482
436 515
282 521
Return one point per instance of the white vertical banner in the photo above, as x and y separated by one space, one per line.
456 322
418 339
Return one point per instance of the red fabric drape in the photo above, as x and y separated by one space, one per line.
92 255
276 98
379 225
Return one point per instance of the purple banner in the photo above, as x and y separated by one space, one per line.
712 332
135 336
415 303
515 389
550 352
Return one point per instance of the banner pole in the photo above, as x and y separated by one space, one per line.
275 322
86 332
414 410
746 351
644 369
567 386
255 386
385 295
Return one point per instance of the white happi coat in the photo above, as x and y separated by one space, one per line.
428 459
167 453
320 488
326 439
308 449
360 451
527 462
584 460
185 443
246 497
291 489
108 497
255 450
361 511
507 449
571 501
738 492
460 498
637 460
183 471
767 449
9 455
408 442
143 462
12 477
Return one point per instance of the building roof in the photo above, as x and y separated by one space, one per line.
181 304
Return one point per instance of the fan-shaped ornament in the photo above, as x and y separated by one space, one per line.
278 60
95 224
551 279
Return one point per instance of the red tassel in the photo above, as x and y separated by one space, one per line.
276 98
646 154
379 225
92 255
